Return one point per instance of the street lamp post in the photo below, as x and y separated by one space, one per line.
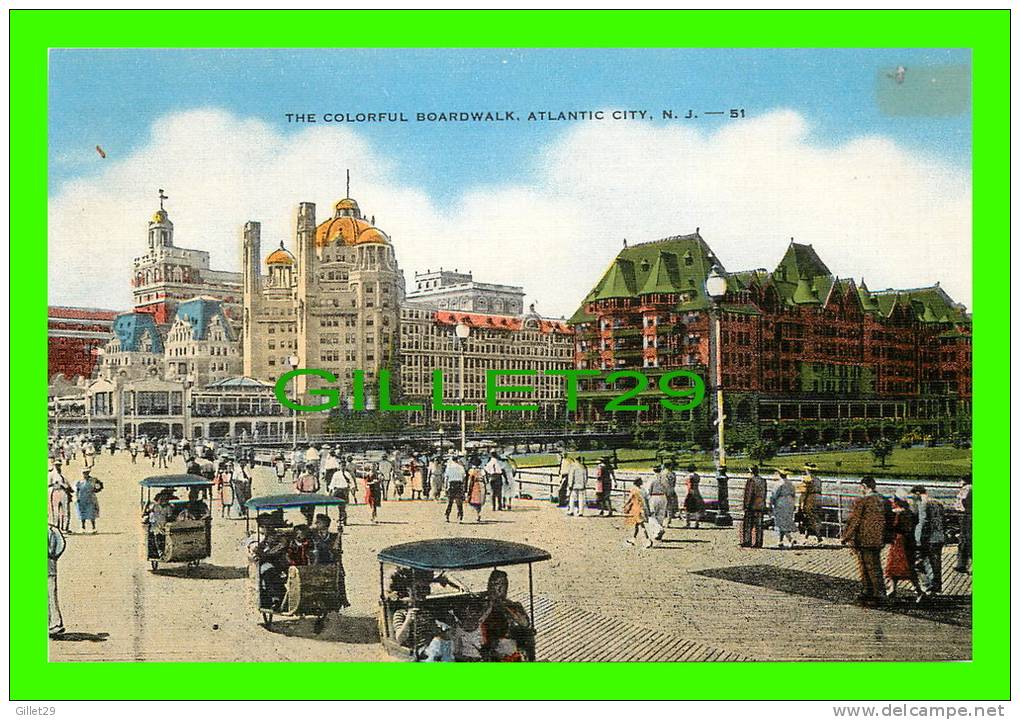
189 382
294 361
98 352
715 285
462 331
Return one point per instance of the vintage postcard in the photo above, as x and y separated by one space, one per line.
503 355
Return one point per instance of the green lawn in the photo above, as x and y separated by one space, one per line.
919 462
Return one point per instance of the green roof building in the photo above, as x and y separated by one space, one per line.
807 357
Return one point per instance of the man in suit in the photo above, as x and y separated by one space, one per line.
755 499
864 532
577 484
454 479
604 477
496 477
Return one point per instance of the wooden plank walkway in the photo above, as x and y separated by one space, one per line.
842 564
570 634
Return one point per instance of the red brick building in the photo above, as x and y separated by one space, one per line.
807 357
74 335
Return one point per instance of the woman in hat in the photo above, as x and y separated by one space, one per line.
225 487
672 496
280 466
811 502
636 512
437 469
87 490
240 485
694 504
784 508
476 488
417 477
511 488
374 489
899 564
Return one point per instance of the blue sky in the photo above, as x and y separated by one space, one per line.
885 197
111 98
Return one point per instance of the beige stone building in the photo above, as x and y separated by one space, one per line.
455 290
499 342
335 306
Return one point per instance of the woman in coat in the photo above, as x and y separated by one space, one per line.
784 509
225 488
635 512
510 487
694 504
811 503
899 564
88 502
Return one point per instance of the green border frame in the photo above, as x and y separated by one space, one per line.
986 32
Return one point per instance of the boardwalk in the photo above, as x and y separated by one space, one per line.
572 635
695 597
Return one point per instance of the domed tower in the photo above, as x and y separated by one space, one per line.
161 230
349 296
281 268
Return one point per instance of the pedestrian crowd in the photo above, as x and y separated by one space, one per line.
913 526
458 478
910 526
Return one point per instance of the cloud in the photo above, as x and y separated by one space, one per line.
869 207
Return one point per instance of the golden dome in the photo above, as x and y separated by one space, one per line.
160 216
372 235
348 227
280 257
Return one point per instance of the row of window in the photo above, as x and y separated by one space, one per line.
193 350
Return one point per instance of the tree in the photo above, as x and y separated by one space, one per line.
882 449
366 422
762 451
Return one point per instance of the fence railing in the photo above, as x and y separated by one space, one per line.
837 496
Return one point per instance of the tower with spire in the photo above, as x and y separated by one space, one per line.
167 275
334 303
